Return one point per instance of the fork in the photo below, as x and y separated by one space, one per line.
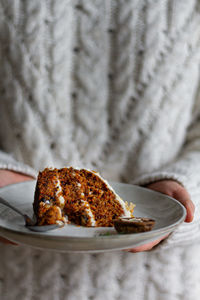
29 222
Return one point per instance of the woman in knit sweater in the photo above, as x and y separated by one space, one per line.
112 86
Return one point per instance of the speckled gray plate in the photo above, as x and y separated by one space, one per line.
167 212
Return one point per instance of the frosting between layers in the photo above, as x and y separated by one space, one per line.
88 210
58 192
62 201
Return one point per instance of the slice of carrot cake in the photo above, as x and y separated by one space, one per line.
77 196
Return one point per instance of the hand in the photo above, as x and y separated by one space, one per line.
177 191
9 177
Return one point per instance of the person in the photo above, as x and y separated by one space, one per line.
111 86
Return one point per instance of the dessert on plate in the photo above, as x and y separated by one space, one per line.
77 196
133 224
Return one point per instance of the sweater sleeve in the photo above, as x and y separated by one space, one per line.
7 162
185 169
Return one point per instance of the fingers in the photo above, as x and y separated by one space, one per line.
5 241
147 247
10 177
177 191
183 197
190 210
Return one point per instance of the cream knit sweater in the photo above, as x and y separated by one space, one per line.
112 86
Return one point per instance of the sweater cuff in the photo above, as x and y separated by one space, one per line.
156 176
7 162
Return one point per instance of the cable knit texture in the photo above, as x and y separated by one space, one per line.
112 86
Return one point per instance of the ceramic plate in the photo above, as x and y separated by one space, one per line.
167 212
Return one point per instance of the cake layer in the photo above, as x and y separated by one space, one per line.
79 196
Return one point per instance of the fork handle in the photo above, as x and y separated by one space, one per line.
4 202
